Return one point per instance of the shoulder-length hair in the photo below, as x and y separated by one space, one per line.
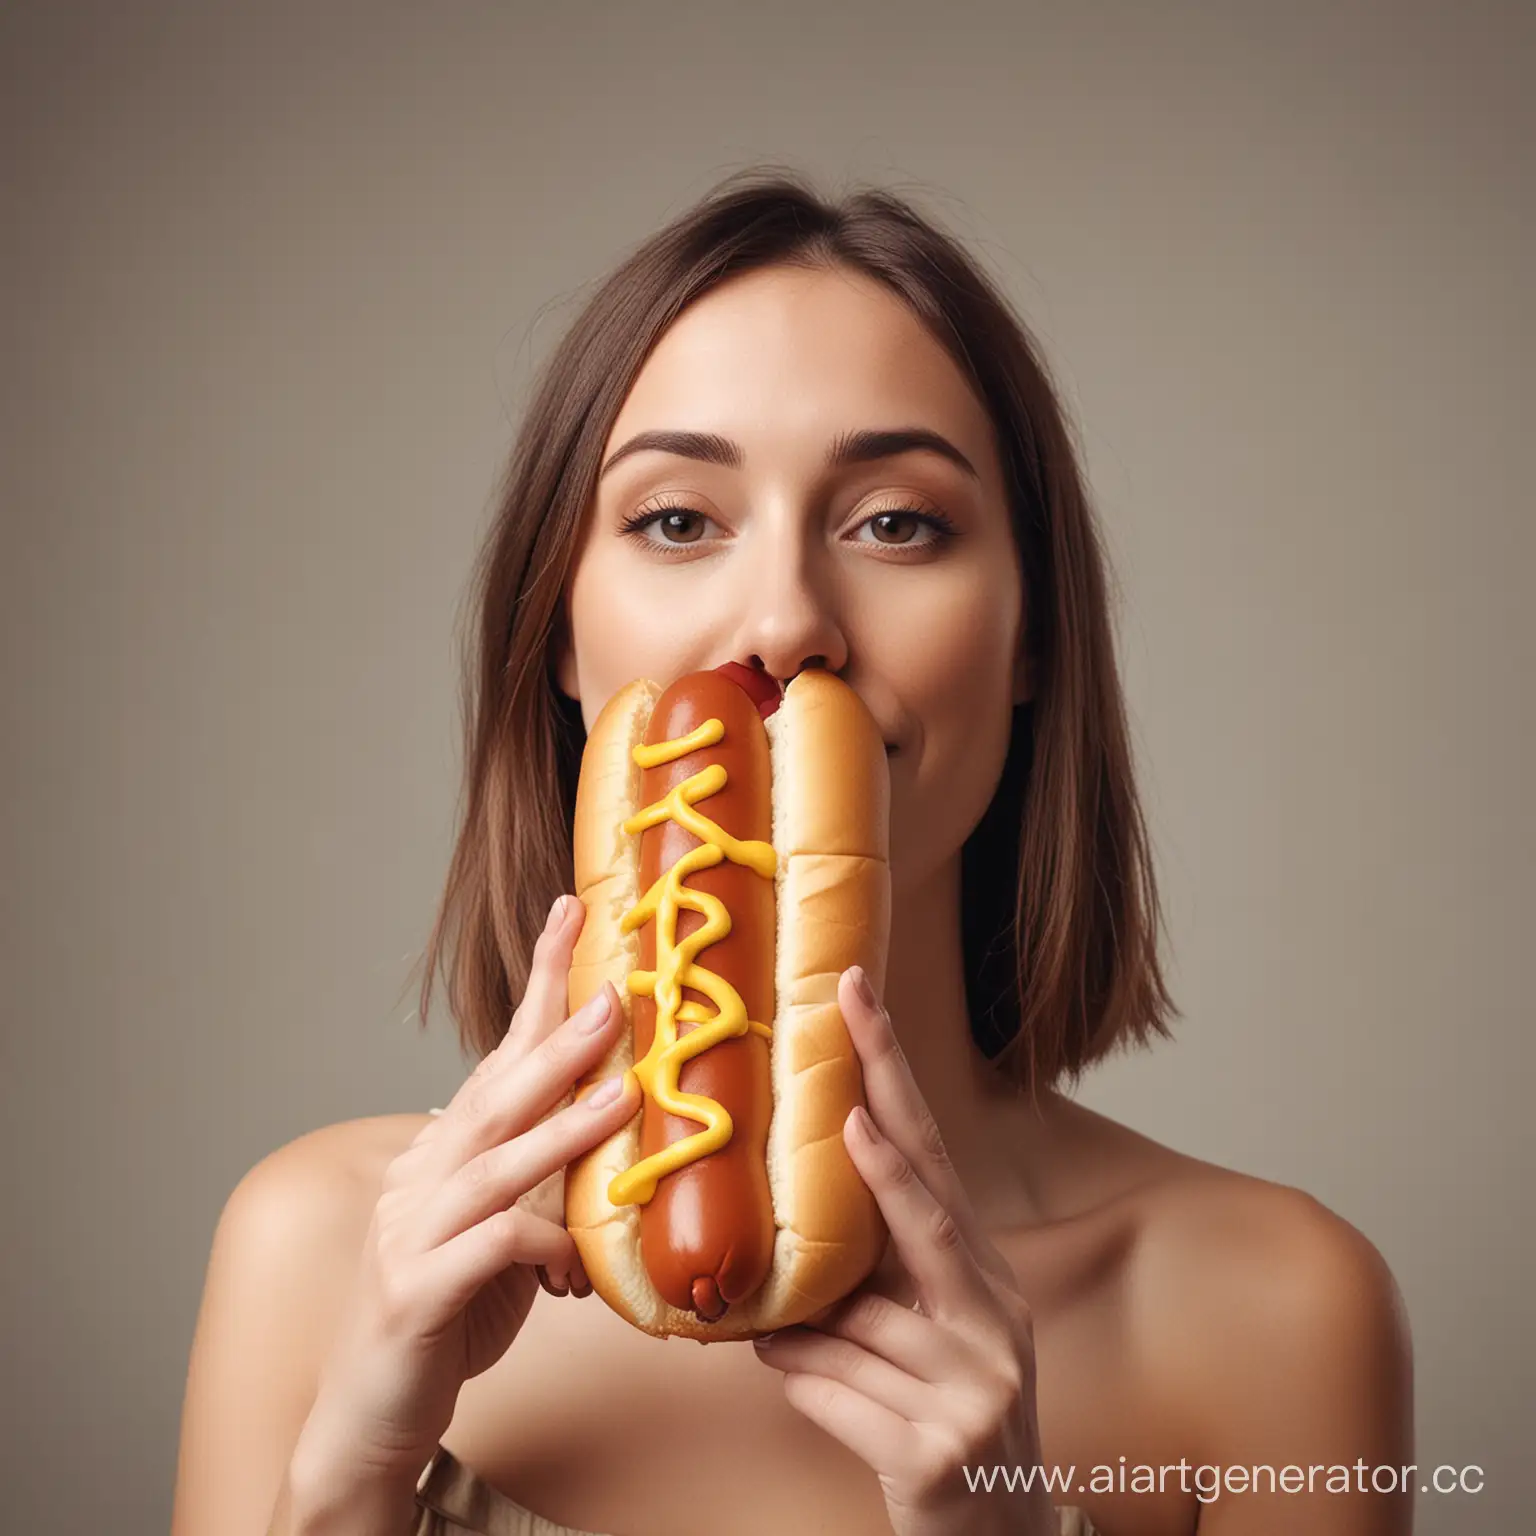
1060 913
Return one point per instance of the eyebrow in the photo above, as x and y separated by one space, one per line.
848 448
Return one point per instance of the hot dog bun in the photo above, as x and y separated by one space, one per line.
831 810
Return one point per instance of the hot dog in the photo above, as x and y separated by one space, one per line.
706 1234
731 848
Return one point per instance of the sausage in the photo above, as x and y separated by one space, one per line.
707 1233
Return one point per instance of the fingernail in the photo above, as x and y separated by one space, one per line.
862 987
593 1013
762 1340
556 914
605 1092
864 1127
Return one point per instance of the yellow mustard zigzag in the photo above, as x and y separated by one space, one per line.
677 967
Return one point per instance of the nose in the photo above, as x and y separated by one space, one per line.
789 617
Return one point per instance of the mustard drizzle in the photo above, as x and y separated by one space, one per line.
677 967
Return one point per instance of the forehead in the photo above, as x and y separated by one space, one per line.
805 351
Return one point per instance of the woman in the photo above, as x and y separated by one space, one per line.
797 435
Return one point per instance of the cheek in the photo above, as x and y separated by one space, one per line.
954 653
956 679
965 740
623 629
608 614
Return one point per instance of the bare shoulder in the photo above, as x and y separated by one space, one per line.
290 1234
313 1197
1262 1308
329 1169
1249 1246
1212 1245
283 1260
293 1227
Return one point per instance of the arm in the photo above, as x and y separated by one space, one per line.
281 1266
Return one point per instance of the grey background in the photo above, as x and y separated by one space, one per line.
274 279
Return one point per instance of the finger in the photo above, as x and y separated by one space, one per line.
569 1282
454 1274
899 1109
894 1332
927 1237
502 1174
494 1108
573 1282
883 1440
838 1359
543 1006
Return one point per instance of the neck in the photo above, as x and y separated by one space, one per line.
992 1132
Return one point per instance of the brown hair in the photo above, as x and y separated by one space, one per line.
1060 914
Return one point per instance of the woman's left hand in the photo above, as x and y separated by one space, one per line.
922 1396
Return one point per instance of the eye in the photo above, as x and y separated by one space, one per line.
896 528
680 527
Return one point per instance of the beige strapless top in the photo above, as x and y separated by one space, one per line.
450 1498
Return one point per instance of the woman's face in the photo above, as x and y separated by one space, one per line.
769 524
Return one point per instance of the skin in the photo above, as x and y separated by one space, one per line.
1085 1294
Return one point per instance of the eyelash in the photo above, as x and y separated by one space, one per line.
942 525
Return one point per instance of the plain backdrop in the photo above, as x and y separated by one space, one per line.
274 279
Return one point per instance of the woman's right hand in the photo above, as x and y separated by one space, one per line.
447 1274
